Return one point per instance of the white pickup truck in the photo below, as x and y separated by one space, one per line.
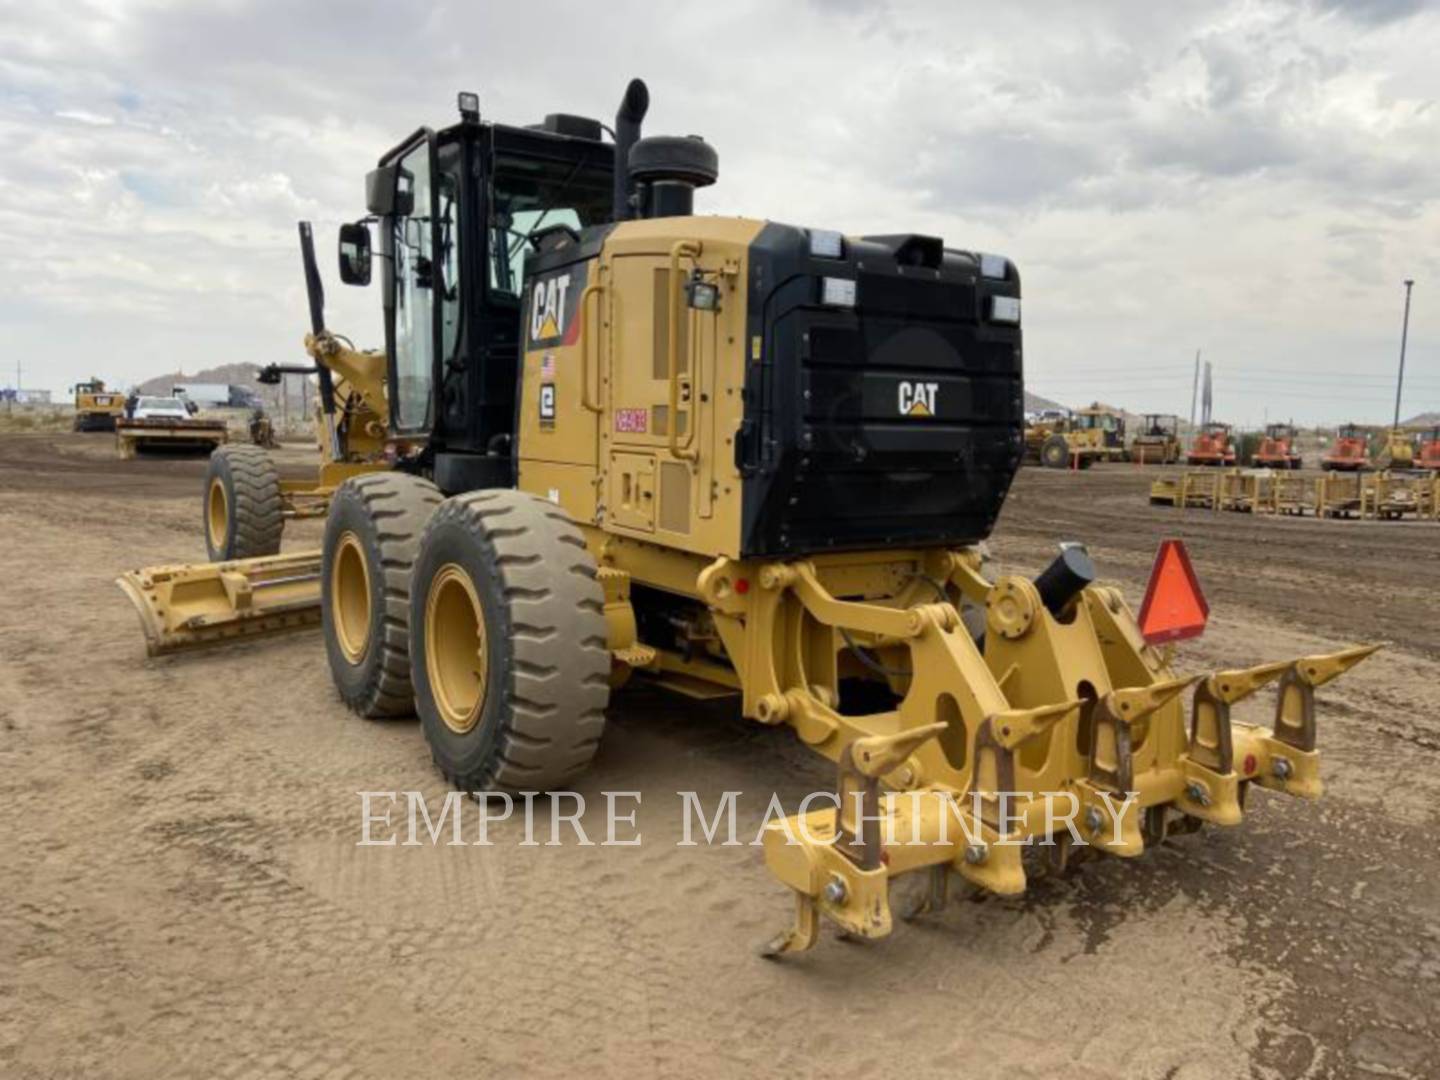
160 408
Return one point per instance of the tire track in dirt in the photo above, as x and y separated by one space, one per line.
185 896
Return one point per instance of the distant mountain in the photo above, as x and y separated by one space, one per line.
1422 420
230 374
1035 403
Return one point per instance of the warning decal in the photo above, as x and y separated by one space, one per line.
632 421
1174 606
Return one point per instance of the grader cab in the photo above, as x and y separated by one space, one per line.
728 456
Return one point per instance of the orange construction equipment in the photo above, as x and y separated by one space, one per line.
1429 456
1212 446
1277 449
1351 451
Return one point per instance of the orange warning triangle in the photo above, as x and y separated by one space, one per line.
1174 606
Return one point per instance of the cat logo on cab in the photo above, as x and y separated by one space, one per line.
918 398
552 308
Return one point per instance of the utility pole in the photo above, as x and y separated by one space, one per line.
1194 390
1404 333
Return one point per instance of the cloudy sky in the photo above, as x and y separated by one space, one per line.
1254 180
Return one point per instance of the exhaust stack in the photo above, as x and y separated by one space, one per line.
628 119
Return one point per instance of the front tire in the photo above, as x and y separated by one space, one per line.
1055 453
243 513
507 630
372 535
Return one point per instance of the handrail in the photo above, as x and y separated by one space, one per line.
585 399
680 249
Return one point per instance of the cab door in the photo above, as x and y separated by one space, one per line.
411 287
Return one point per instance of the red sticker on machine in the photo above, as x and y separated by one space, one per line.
632 421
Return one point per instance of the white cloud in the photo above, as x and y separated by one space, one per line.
1254 178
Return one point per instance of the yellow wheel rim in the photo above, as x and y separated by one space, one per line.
455 657
350 597
217 514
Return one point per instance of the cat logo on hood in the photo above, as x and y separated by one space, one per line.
918 398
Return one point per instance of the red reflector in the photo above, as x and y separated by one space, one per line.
1174 606
742 585
1249 764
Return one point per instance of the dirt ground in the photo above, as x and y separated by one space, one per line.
182 894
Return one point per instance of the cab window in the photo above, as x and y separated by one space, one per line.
447 192
528 195
414 294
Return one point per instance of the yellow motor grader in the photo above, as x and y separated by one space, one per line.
734 457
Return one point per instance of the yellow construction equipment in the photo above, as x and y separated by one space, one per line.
1158 440
1046 441
1100 431
133 435
1061 439
96 408
1399 451
192 606
729 456
1392 495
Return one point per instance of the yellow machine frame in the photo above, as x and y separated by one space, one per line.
354 442
1000 701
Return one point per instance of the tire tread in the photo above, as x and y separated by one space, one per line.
404 503
557 681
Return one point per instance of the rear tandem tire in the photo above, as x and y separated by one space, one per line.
507 629
372 535
242 510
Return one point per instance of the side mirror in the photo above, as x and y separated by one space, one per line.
355 254
389 190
